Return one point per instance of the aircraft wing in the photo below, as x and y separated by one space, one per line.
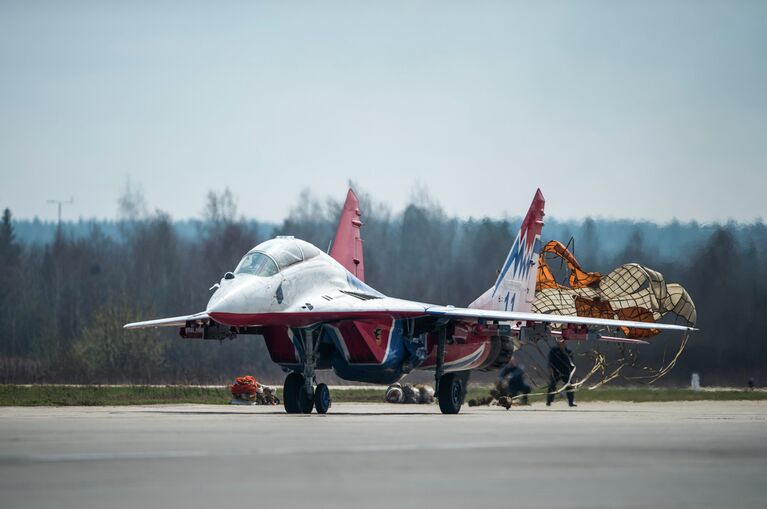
175 321
348 305
356 305
516 316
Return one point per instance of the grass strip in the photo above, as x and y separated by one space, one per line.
94 395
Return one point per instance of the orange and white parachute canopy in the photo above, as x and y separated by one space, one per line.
630 292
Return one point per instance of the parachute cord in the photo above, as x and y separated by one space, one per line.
665 369
603 370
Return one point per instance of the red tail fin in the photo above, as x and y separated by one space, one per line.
347 245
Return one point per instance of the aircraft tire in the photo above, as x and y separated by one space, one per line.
322 399
294 384
451 393
305 401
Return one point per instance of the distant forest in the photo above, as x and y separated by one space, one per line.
66 291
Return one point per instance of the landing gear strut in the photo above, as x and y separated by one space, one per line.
299 394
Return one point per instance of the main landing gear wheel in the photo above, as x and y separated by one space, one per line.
452 389
294 395
322 399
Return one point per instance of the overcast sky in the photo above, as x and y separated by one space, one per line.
637 109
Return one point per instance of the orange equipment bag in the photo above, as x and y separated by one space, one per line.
245 385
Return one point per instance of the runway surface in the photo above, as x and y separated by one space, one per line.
599 455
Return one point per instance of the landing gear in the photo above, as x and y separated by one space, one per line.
293 383
299 394
322 399
451 392
305 401
298 401
451 387
295 397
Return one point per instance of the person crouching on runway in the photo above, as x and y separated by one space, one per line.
560 366
512 381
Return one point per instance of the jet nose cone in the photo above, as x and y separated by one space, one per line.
218 306
226 300
236 298
224 307
217 299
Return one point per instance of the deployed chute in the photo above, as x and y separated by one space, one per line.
629 292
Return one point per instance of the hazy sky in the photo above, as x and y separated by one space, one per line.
615 109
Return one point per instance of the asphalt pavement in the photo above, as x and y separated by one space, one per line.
599 455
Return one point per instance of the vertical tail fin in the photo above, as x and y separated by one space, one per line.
347 244
514 289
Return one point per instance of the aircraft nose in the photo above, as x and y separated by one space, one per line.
236 296
225 300
218 306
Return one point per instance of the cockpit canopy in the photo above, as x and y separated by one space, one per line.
268 258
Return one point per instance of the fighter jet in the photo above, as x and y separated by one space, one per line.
315 312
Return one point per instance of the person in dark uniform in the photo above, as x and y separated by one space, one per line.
512 380
560 367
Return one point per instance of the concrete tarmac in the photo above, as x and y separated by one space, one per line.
599 455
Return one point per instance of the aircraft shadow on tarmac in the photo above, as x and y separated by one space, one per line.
251 414
465 414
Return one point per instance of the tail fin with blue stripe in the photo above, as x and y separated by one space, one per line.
514 289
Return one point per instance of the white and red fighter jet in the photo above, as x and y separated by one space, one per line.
314 311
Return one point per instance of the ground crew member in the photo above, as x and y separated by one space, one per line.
512 380
560 367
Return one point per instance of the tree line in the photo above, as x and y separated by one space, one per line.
63 302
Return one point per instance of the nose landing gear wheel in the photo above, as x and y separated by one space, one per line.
294 396
322 399
293 384
305 400
452 390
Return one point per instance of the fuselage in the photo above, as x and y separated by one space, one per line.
286 284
